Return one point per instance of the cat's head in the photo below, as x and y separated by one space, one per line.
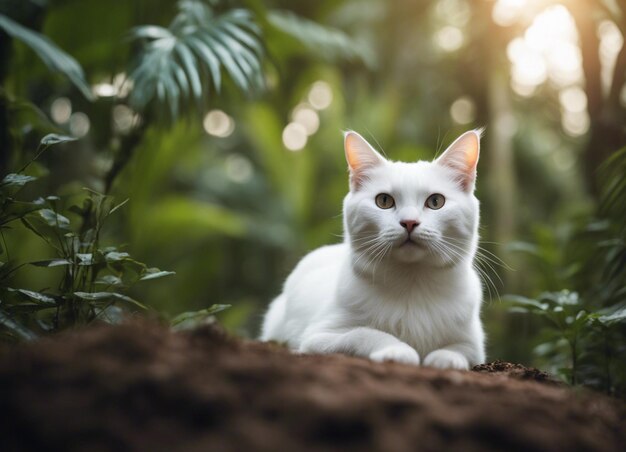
422 212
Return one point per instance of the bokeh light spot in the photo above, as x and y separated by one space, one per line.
218 124
61 110
305 115
238 168
79 124
320 95
294 136
463 110
449 38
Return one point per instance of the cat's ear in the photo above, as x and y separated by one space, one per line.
462 157
361 157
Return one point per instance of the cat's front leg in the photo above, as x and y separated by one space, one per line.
362 341
456 356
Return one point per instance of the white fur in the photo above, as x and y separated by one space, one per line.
378 297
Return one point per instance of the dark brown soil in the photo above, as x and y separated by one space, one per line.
141 387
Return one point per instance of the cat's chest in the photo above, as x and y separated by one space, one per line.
424 317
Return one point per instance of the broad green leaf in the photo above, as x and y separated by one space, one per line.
53 57
54 219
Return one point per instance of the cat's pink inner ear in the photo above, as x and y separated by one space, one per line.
360 156
462 156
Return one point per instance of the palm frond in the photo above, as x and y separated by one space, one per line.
327 42
179 64
51 55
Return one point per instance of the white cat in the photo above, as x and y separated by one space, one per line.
402 286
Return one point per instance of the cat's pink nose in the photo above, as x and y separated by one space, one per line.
409 225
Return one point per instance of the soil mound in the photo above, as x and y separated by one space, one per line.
142 387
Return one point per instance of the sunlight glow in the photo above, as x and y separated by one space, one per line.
506 12
611 42
218 124
455 12
294 136
573 99
104 90
548 50
320 95
575 124
61 110
449 38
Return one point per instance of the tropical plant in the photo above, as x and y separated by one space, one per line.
179 64
94 277
588 322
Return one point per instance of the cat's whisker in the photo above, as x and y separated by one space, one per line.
494 258
482 261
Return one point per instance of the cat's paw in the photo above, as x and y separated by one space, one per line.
401 353
446 359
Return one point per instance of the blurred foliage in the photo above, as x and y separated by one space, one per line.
184 107
586 329
93 277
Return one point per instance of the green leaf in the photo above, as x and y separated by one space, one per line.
85 259
51 263
616 316
12 210
54 219
15 328
52 56
120 205
523 302
199 315
102 296
109 280
329 43
53 138
115 256
35 296
16 180
154 273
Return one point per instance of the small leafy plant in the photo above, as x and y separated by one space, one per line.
95 279
570 324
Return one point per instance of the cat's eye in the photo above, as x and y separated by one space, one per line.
435 201
385 201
